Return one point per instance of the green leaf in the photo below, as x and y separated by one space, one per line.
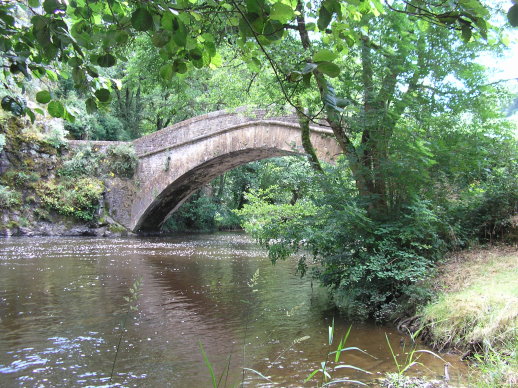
331 333
5 44
254 64
294 76
309 68
466 32
161 38
281 12
325 55
209 365
245 29
329 99
12 105
474 7
31 115
273 30
210 47
166 72
103 95
255 6
180 67
51 6
328 68
168 19
43 97
69 116
34 3
195 54
106 60
121 37
41 30
306 79
7 18
79 76
180 35
91 105
92 71
512 15
259 374
324 18
141 19
75 62
56 109
311 375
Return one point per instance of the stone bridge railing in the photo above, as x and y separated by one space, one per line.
201 126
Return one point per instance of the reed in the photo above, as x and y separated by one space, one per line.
131 305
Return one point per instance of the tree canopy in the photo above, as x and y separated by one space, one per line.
75 39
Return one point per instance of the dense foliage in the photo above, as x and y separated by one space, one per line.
118 160
77 39
9 198
78 198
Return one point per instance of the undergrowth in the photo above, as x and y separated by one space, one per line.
79 198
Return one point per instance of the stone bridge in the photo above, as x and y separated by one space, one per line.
178 160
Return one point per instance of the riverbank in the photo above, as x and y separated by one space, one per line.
475 313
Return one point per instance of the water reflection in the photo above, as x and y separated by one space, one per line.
62 304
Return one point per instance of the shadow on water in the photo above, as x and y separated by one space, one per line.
62 301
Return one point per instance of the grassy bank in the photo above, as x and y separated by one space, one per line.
476 312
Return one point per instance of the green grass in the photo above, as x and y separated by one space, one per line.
477 308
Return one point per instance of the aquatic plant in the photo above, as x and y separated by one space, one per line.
410 358
131 305
325 368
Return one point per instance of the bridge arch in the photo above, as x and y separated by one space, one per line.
178 191
178 160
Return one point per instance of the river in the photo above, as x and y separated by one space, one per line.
63 314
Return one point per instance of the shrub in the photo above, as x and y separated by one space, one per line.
56 137
122 160
485 211
20 178
81 128
79 198
226 219
9 198
108 128
42 214
370 266
96 127
83 162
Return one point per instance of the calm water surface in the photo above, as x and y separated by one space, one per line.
62 307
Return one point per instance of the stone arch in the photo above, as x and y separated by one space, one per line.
171 169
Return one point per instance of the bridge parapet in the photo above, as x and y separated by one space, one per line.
100 145
200 126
